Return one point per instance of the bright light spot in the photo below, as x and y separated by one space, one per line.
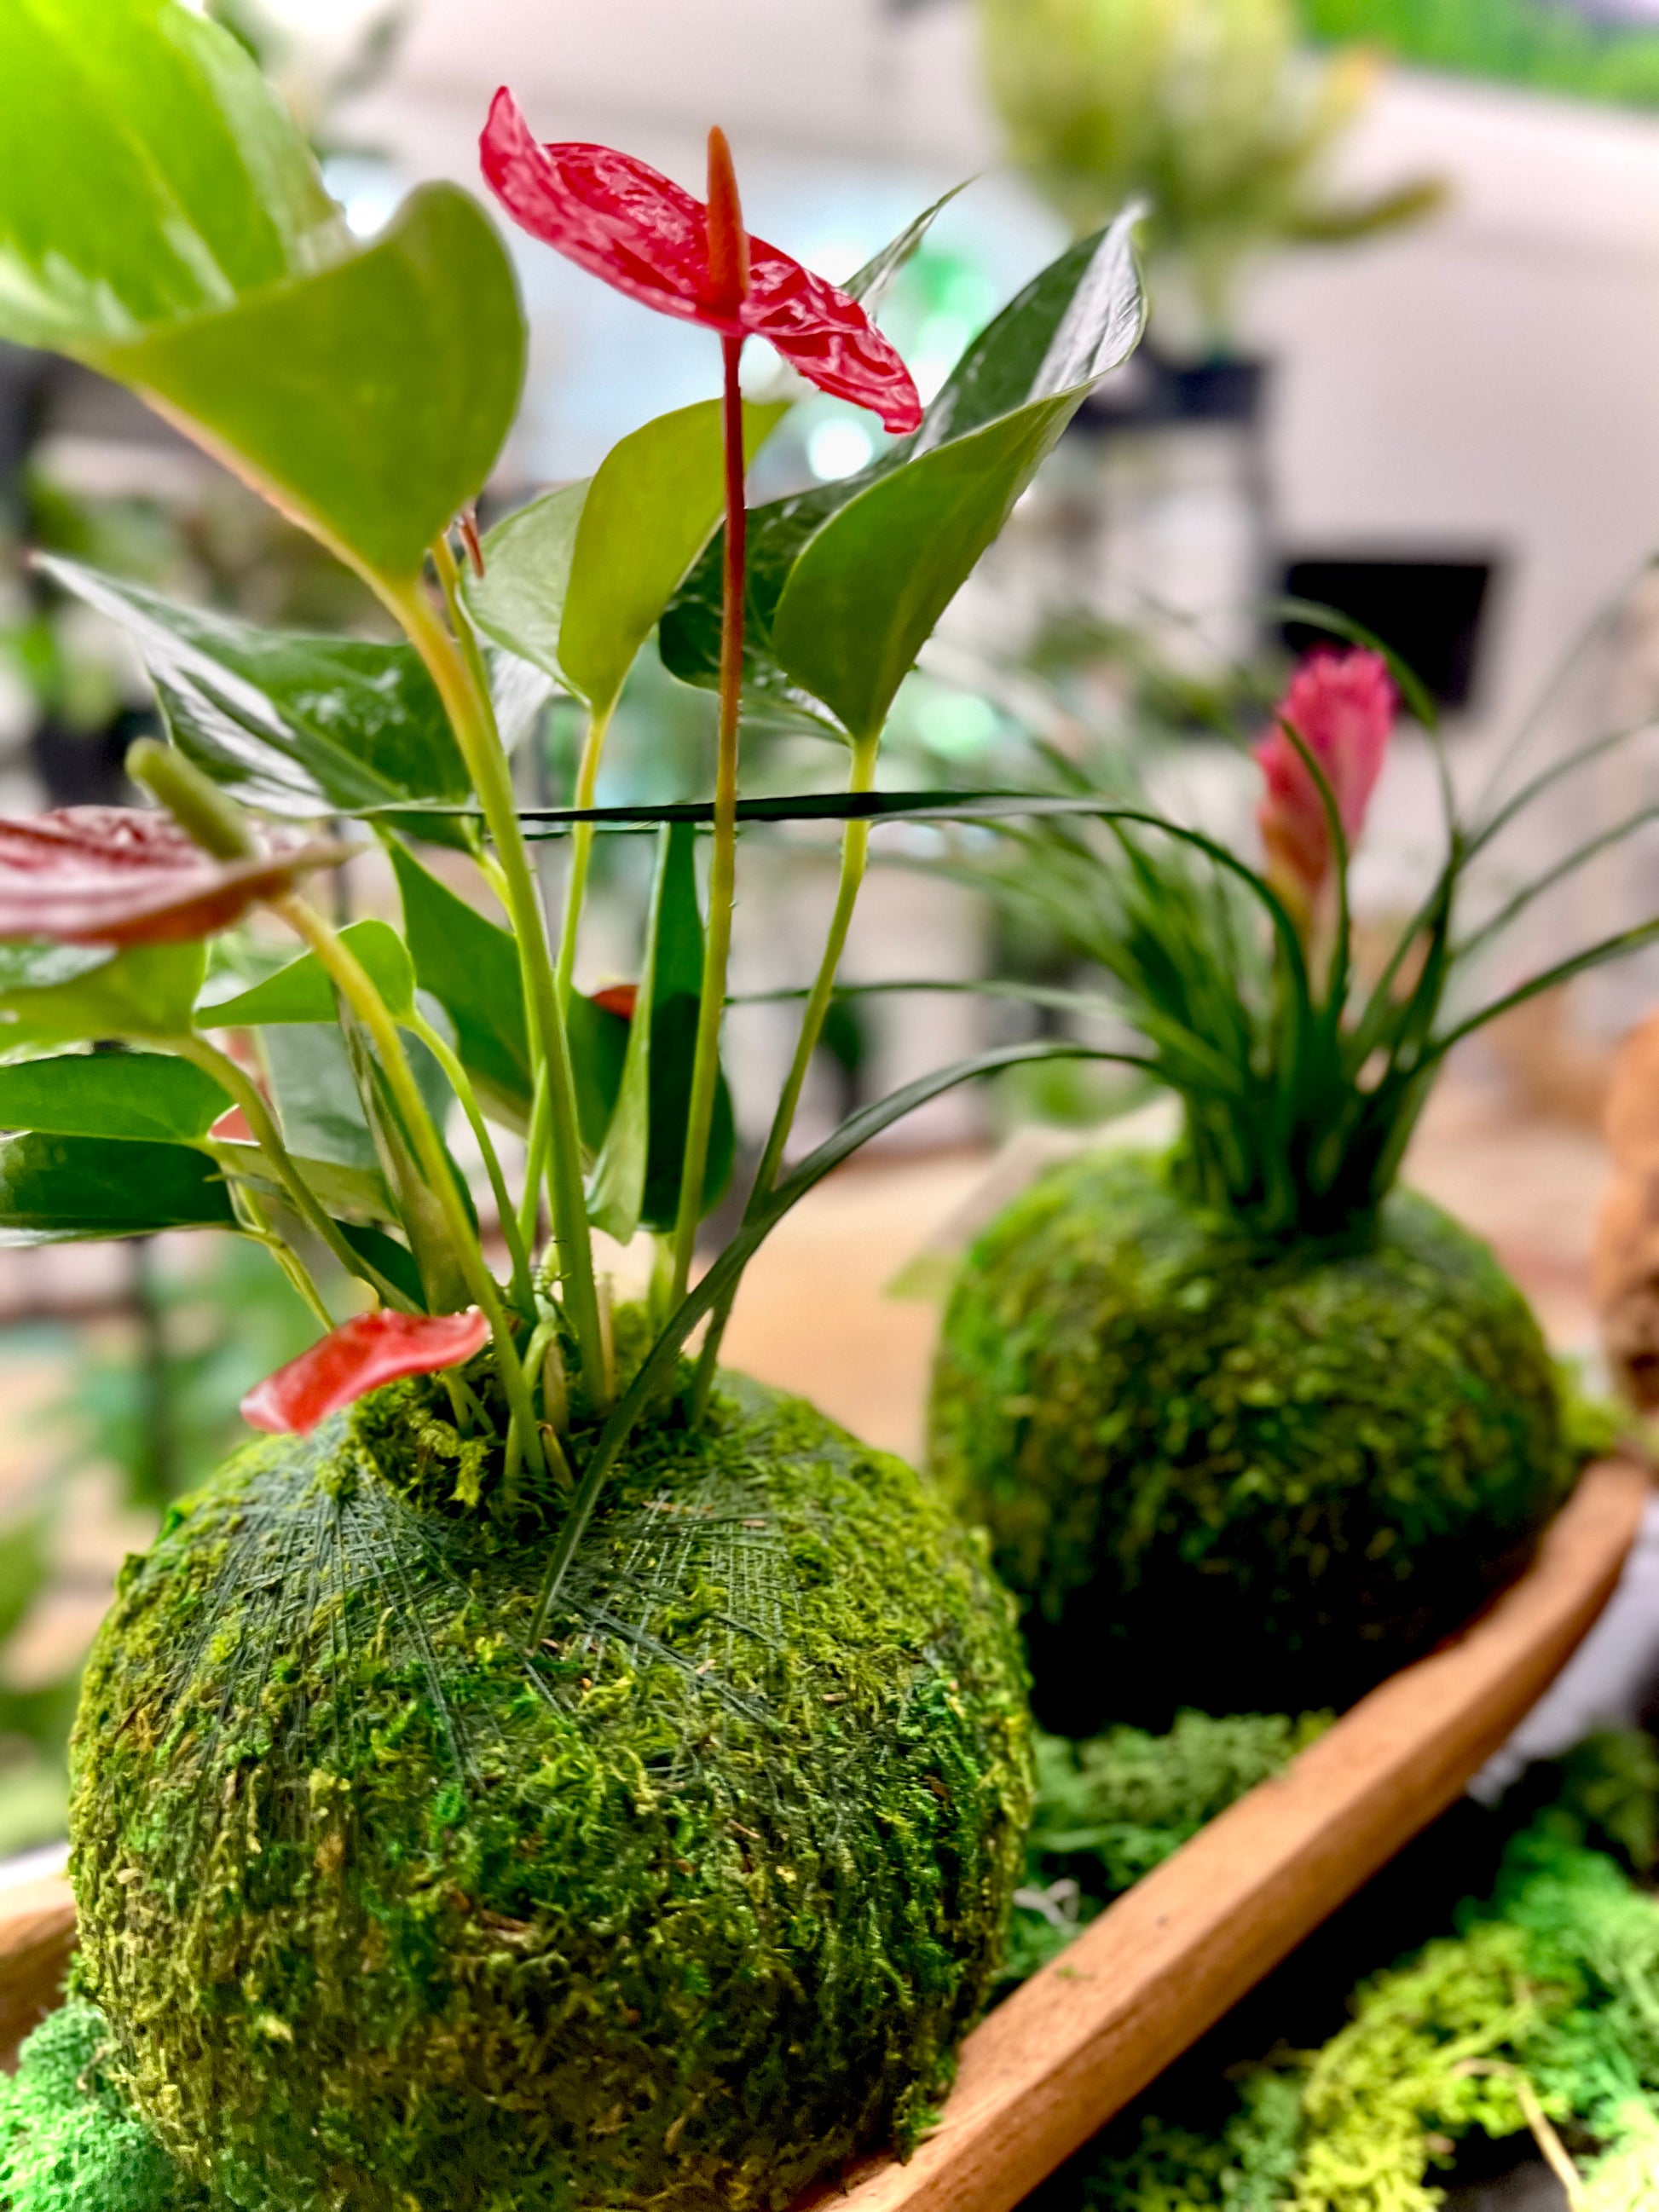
838 449
367 191
957 724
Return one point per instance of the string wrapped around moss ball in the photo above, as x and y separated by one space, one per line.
677 1910
1233 1474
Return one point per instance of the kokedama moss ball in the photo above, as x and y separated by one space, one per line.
384 1911
1228 1476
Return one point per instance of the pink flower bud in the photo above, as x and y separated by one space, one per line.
1343 707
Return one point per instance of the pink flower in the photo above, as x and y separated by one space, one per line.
357 1357
1343 707
621 220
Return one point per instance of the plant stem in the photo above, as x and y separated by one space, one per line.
356 987
582 850
524 1288
855 857
535 1161
253 1223
259 1118
722 878
473 720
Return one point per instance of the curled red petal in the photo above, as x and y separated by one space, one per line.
618 998
624 221
126 875
357 1357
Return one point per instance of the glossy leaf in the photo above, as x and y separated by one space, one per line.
866 592
145 992
600 1035
470 966
302 991
289 724
129 1095
356 1357
57 1190
1075 320
129 876
349 1193
317 1099
615 1192
149 173
368 401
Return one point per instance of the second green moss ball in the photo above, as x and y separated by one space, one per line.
1235 1477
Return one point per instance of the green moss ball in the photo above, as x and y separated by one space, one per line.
676 1911
1231 1477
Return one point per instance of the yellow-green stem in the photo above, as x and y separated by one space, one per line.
473 721
855 857
535 1161
253 1222
357 987
524 1288
261 1120
581 851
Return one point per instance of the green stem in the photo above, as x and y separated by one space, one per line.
254 1224
524 1288
474 723
855 858
722 877
246 1092
582 850
356 987
535 1161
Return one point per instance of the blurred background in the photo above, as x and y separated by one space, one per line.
1403 362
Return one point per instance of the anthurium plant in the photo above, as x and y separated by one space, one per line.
541 1769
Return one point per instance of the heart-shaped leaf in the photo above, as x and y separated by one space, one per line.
302 991
518 601
356 1357
57 1190
368 401
150 173
129 1095
1077 319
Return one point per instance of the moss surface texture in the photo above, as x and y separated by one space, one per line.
677 1911
1231 1477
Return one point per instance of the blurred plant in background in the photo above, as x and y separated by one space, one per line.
1597 49
1209 108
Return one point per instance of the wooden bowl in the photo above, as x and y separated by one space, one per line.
1087 2033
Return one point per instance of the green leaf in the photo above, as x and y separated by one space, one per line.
1078 318
317 1099
56 1190
25 1570
302 991
368 401
867 590
394 1260
150 173
347 1193
471 967
577 581
599 1050
148 991
676 998
518 601
293 724
116 1094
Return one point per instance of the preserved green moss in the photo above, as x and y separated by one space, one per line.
1232 1476
68 2141
677 1911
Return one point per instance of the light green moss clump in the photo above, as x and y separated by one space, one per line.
68 2141
677 1910
1231 1476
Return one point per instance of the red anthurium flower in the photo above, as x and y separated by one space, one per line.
1343 707
357 1357
122 875
621 219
